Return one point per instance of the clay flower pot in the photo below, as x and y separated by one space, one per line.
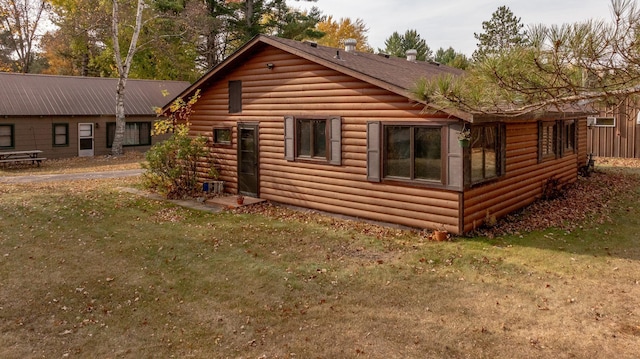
440 235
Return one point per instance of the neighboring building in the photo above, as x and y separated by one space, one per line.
622 138
337 130
67 116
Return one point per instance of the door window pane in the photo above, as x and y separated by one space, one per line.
247 163
86 143
86 130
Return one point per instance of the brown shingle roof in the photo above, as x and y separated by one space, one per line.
47 95
392 70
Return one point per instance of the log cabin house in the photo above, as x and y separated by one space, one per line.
336 130
67 116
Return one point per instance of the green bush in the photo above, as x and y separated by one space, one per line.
171 167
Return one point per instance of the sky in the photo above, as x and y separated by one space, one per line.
453 22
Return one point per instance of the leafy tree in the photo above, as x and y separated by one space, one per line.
74 47
562 65
20 22
338 31
172 165
451 57
6 63
398 45
502 32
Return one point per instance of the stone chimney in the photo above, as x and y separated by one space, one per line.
350 45
412 54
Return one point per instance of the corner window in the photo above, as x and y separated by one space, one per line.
486 152
135 133
548 140
235 96
60 134
222 136
313 139
569 137
412 152
6 136
556 139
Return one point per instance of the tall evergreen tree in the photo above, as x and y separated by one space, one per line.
502 32
397 45
451 57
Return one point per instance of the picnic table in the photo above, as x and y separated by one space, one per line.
21 156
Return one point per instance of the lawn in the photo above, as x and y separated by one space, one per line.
87 270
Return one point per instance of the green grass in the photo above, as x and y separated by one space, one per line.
89 271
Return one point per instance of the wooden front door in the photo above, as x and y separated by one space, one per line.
248 159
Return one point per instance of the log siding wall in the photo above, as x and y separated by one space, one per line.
525 175
299 87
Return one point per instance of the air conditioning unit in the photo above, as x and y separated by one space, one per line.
215 187
601 121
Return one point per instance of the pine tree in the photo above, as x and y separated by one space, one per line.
451 57
397 45
503 32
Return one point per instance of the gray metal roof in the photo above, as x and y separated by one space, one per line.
48 95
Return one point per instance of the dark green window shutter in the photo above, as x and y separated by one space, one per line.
373 151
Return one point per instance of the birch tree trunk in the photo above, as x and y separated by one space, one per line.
123 68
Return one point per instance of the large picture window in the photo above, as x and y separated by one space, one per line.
413 153
135 133
6 136
60 134
313 139
485 152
